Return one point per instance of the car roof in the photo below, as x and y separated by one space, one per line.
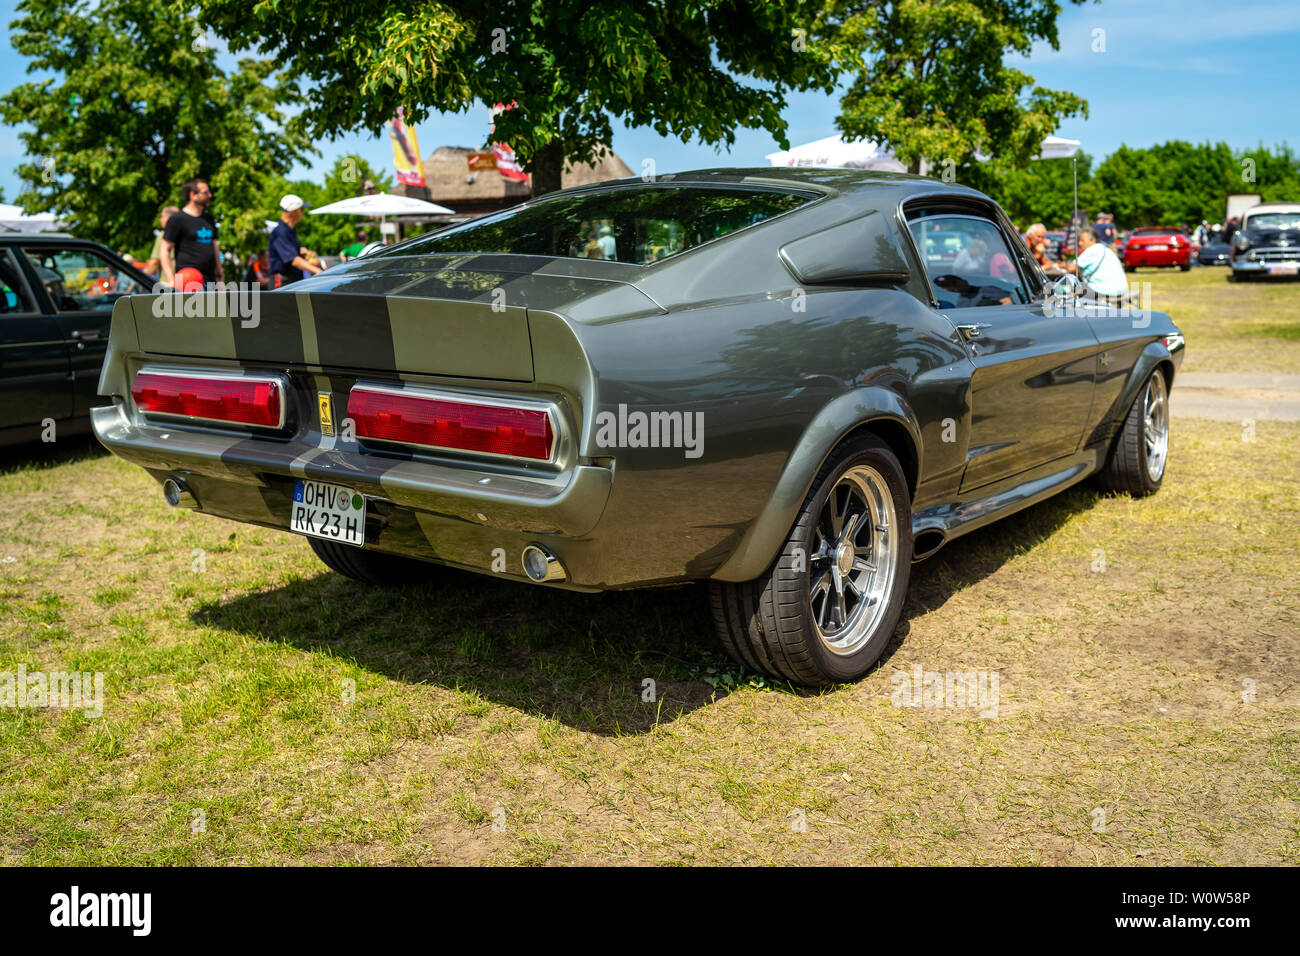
1273 207
872 188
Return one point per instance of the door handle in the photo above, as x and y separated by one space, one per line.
972 329
87 335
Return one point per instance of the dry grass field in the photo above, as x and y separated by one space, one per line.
1147 655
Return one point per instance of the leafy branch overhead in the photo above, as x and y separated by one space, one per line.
930 81
686 68
139 106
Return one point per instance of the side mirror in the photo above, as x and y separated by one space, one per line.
1067 287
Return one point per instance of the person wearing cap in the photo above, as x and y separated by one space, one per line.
283 251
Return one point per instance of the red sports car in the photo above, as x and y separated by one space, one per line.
1157 246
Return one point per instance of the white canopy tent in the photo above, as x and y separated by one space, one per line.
835 151
380 205
13 219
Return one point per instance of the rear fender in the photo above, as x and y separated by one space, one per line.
765 536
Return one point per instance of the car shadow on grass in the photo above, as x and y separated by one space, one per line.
66 449
580 659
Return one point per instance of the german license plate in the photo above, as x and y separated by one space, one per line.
328 511
1157 248
1284 269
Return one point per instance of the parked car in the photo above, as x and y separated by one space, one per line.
1216 251
1268 242
1157 246
794 405
57 295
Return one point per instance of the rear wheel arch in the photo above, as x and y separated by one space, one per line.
899 439
875 411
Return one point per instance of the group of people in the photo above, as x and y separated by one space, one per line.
1096 262
188 240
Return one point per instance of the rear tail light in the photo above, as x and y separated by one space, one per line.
439 420
230 399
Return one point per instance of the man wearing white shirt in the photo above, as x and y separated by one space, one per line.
1098 266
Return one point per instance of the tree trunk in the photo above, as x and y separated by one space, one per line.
548 165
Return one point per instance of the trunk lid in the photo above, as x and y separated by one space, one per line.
463 316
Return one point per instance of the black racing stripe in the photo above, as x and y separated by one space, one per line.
253 455
352 469
277 337
498 262
354 331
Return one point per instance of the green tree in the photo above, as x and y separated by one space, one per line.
688 68
1041 191
138 106
931 83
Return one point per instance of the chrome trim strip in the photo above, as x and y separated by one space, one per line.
279 381
438 394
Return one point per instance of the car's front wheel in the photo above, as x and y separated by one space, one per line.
1136 464
825 610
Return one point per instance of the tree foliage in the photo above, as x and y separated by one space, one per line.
1167 184
930 81
687 68
138 106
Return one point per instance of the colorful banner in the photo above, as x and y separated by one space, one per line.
406 152
506 162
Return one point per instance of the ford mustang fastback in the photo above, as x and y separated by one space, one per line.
791 384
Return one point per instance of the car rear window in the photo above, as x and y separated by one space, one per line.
638 224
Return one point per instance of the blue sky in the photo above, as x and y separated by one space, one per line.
1172 69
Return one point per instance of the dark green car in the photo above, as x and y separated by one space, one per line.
751 377
56 298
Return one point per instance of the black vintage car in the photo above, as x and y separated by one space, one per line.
1268 242
56 298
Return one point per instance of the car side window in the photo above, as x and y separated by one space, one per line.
967 261
78 280
15 298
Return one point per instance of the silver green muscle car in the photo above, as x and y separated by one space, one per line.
776 381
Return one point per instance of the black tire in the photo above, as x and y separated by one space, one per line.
1186 268
1128 466
371 567
770 624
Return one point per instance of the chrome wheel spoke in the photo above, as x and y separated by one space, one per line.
849 581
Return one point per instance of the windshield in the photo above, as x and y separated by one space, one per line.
638 224
1274 220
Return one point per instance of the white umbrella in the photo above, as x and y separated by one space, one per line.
13 219
383 204
1058 147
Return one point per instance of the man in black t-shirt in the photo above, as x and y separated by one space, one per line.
190 236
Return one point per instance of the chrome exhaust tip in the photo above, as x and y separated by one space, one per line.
178 494
927 543
541 565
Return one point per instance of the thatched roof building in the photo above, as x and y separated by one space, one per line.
451 184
